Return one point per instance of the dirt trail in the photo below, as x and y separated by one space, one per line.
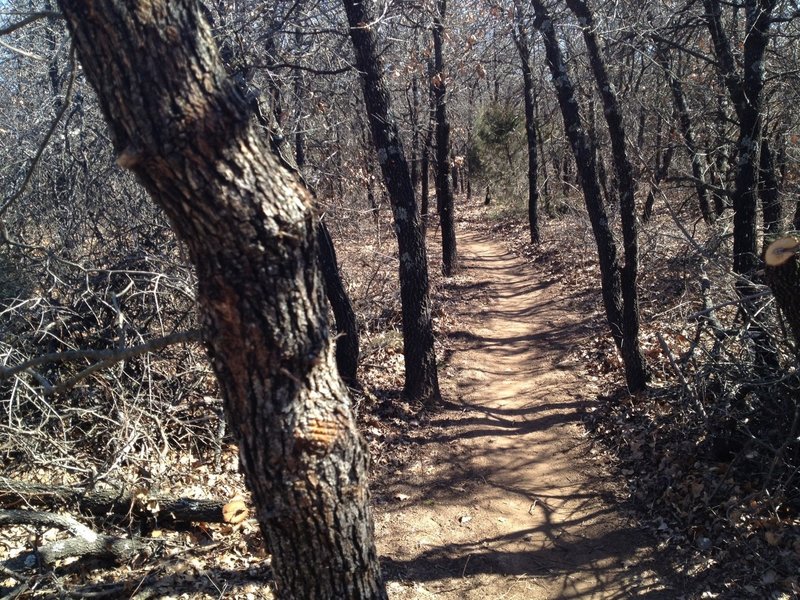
502 499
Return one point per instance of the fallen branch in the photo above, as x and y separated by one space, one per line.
84 543
134 503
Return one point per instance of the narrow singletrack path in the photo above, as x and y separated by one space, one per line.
503 498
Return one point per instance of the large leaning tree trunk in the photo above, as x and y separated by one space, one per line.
585 160
180 124
444 185
521 40
421 378
347 336
635 368
344 315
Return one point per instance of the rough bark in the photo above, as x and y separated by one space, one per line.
345 321
347 339
444 189
635 368
523 48
421 378
180 124
587 170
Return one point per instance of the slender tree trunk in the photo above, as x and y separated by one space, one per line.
685 124
347 343
179 123
299 136
424 192
609 194
635 369
546 201
521 41
444 190
414 131
587 169
770 198
425 167
661 172
421 380
721 163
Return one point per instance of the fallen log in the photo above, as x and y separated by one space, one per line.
135 503
84 542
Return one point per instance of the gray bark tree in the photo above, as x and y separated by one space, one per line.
522 41
635 368
444 185
180 124
421 377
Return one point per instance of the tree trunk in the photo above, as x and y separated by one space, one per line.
179 123
521 41
662 169
745 92
542 160
414 131
444 190
635 368
425 167
299 136
587 169
770 199
123 502
421 379
685 124
347 339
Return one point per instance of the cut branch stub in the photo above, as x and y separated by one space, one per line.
781 250
782 275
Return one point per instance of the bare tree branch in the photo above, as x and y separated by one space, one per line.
45 14
105 358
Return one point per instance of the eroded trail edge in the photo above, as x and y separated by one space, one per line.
502 498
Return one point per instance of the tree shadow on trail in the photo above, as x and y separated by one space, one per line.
496 422
458 567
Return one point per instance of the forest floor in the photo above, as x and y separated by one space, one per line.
503 494
538 476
